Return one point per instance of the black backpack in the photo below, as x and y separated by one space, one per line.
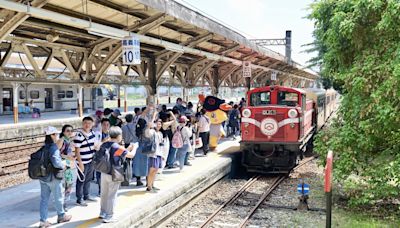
40 165
101 159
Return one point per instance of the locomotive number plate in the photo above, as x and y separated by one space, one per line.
269 112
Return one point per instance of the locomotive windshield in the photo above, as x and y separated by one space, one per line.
288 98
260 99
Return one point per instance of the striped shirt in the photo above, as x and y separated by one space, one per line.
85 142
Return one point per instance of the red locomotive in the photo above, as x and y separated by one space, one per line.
278 125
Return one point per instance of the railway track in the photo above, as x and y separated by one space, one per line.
271 186
15 159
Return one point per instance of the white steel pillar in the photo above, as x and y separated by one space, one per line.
15 100
169 94
80 99
125 99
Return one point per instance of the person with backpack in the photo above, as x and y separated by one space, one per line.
109 183
84 143
184 132
102 137
53 181
234 117
155 158
129 136
65 146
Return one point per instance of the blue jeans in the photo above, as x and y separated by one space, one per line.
83 188
55 186
171 156
181 155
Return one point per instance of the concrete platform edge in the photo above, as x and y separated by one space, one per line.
160 208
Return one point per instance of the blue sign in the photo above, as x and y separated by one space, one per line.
303 189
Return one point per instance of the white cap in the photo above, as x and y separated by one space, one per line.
51 130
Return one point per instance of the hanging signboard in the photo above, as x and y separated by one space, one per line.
246 69
131 50
273 75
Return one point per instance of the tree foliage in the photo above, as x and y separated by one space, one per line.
359 45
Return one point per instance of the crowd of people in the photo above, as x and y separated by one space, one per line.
149 140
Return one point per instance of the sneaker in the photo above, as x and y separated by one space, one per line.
102 216
44 224
109 220
188 164
81 203
65 218
91 199
139 183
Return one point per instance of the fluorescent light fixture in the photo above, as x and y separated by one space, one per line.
104 33
211 57
177 50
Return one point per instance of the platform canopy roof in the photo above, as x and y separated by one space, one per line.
85 37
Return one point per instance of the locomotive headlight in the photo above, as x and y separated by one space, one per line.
292 113
246 113
292 125
246 124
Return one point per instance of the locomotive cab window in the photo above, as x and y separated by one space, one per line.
260 99
288 98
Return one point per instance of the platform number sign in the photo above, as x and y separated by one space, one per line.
246 69
273 75
131 50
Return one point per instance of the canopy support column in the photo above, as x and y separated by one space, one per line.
80 99
15 100
152 88
125 99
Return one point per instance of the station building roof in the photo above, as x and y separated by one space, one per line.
84 36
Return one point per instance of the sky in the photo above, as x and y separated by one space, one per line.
258 19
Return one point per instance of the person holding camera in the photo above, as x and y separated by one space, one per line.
155 159
186 132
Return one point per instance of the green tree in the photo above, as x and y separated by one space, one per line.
359 46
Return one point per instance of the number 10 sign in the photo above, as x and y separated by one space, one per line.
130 50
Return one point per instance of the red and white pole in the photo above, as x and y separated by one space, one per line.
328 188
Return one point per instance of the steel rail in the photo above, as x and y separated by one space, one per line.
275 184
231 199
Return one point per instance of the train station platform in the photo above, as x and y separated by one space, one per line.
28 126
19 205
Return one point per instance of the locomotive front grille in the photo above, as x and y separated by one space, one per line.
278 135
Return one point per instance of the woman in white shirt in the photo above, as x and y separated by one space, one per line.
155 159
